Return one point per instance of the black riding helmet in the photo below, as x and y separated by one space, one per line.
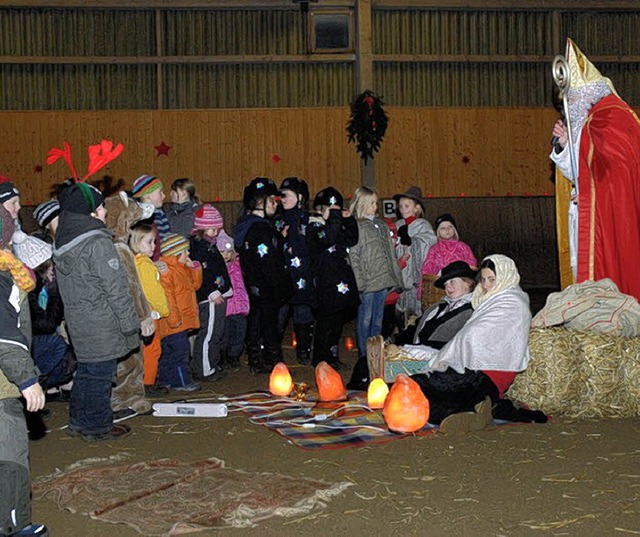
259 188
328 196
297 185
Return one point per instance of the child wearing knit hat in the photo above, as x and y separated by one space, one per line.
181 280
47 215
216 287
9 197
448 249
98 308
237 305
148 189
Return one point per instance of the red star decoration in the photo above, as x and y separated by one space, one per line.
275 158
37 168
162 149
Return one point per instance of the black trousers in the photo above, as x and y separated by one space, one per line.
263 339
450 392
326 336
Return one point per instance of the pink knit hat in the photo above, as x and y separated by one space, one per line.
207 217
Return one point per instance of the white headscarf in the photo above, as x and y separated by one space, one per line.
507 276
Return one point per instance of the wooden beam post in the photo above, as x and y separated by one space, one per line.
364 70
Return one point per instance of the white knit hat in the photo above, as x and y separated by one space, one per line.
30 250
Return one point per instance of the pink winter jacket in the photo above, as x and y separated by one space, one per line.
238 303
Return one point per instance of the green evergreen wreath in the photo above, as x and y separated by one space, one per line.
368 124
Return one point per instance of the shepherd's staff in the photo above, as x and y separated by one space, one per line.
562 77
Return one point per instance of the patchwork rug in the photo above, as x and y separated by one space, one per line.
169 497
347 423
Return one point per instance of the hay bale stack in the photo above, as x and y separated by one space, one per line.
581 374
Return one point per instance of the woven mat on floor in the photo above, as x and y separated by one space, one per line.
350 426
169 497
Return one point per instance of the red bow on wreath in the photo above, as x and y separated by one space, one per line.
368 124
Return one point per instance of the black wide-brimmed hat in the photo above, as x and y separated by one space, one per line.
457 269
413 193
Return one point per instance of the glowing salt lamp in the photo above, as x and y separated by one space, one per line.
377 393
348 343
280 381
406 409
329 382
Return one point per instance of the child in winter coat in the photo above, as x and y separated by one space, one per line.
181 280
148 189
293 223
184 204
374 264
99 311
18 376
216 287
49 350
237 305
448 249
263 268
415 238
143 243
331 232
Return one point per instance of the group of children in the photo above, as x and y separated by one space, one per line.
176 286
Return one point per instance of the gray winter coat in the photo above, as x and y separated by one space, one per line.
373 259
422 239
100 314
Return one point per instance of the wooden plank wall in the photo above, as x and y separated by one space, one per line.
447 151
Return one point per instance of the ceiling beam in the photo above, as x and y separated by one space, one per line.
563 5
528 5
172 4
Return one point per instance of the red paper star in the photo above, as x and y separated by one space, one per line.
275 158
162 149
37 168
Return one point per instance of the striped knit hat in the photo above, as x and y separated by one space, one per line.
207 217
7 189
145 184
173 244
45 212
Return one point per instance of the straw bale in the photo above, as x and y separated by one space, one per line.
581 374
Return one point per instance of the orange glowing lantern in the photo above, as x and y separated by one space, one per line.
348 344
406 409
377 393
294 340
329 381
280 381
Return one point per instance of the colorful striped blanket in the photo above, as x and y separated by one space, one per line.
315 425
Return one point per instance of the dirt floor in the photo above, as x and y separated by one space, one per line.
566 477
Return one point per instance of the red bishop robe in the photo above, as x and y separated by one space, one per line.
609 196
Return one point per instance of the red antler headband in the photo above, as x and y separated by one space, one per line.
99 156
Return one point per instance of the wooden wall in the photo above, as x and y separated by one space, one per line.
446 151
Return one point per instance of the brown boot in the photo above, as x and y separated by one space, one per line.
484 409
375 357
467 422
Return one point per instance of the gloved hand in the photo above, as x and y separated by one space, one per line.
147 327
403 234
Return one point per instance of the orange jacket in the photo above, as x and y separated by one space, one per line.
180 283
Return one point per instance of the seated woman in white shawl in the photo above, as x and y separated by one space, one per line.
483 358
